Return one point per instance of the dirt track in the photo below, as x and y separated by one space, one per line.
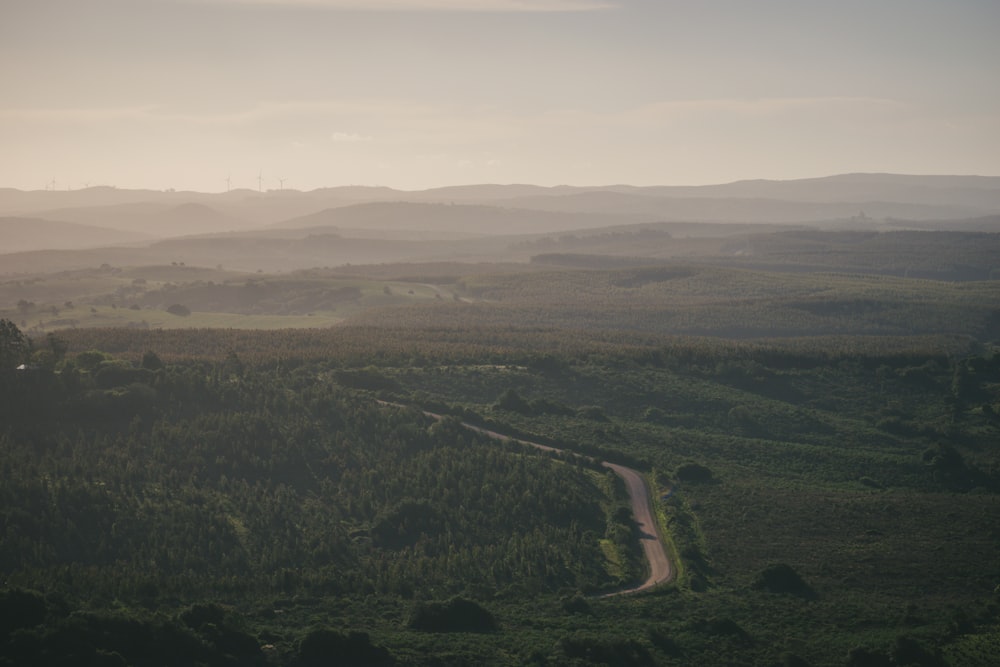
660 569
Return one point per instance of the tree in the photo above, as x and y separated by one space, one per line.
693 472
513 402
57 346
783 579
328 647
179 309
151 362
455 615
14 346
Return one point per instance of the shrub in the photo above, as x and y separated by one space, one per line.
328 647
577 605
20 609
513 402
693 472
455 615
602 650
782 578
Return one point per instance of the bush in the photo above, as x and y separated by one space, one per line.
723 628
693 472
20 609
178 309
593 413
328 647
783 579
513 402
860 656
91 360
602 650
577 605
456 615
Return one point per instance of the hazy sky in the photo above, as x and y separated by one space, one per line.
421 93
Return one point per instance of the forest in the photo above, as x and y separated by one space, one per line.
203 466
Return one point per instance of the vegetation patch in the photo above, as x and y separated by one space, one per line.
455 615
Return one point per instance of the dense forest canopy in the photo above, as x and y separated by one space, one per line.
252 477
293 460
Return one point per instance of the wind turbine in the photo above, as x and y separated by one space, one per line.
228 178
260 181
281 183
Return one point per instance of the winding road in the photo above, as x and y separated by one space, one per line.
660 568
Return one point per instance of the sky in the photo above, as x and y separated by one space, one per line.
215 94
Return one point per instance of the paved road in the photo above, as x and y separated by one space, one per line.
660 569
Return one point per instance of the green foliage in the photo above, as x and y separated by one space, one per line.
455 615
328 647
605 650
250 492
782 578
693 472
20 609
14 347
513 402
151 362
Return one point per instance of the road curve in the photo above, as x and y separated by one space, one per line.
660 569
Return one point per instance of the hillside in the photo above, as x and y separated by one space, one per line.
153 219
465 218
26 234
834 197
743 209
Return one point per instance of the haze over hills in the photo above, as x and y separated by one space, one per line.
288 229
152 219
976 195
645 207
465 218
24 234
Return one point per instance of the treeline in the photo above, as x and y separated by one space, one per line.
405 343
252 296
723 302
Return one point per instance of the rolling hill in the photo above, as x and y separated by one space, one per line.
466 218
25 234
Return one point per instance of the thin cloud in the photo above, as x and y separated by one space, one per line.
348 137
90 114
435 5
771 105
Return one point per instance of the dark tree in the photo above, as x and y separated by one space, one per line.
14 346
782 578
328 647
151 362
179 309
693 472
455 615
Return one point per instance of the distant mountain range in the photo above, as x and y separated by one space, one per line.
465 218
966 196
289 228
